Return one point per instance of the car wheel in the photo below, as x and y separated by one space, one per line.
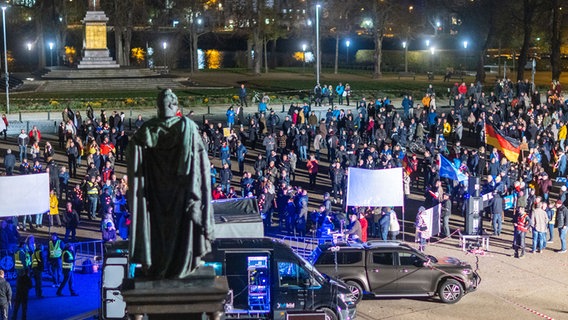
450 291
356 290
329 314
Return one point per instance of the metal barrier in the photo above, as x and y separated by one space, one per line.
303 246
89 250
44 126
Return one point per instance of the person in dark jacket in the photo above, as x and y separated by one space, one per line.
446 213
121 145
72 154
9 162
497 214
225 176
23 286
71 219
561 224
241 155
5 296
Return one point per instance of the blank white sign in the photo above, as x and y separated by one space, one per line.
24 195
375 188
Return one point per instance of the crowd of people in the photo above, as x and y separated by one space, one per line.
271 155
98 194
374 135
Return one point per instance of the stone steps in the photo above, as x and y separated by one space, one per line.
69 73
109 84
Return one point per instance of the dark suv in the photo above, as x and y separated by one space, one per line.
394 269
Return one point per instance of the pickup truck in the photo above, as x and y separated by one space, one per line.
394 269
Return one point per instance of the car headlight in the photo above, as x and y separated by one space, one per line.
467 271
347 298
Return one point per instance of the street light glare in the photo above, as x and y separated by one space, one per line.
347 43
304 47
165 45
427 43
432 50
465 43
404 44
7 74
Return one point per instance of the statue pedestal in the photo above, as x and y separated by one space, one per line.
184 299
95 51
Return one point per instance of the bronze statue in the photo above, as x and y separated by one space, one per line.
170 194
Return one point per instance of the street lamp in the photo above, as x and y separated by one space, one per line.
405 46
7 75
427 42
165 46
318 58
29 46
51 54
304 47
465 44
432 51
533 71
347 43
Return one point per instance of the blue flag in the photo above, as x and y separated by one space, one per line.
447 170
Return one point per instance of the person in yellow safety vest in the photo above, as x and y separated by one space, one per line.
22 260
93 196
36 257
37 269
68 264
55 252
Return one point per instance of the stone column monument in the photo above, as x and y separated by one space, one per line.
95 51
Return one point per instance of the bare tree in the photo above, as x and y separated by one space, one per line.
556 21
124 15
483 21
529 10
338 22
383 14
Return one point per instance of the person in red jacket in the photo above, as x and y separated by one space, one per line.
107 147
218 193
35 135
364 225
312 166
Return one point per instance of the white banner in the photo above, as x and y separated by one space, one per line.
375 188
24 195
435 218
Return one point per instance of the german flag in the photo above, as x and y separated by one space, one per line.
510 147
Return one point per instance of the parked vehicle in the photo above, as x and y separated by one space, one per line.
394 269
267 280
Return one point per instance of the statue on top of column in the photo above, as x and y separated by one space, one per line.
94 5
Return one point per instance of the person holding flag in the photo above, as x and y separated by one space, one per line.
510 147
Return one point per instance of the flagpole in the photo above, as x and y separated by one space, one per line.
403 220
403 205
